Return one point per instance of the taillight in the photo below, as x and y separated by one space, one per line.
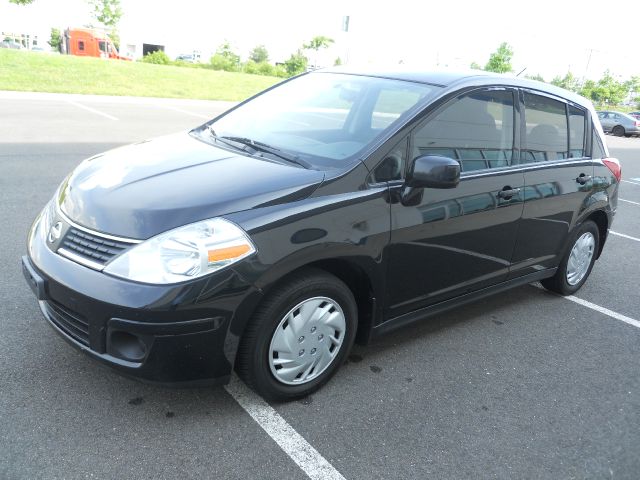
614 165
637 123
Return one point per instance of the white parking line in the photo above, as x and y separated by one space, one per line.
629 201
624 236
92 110
187 112
618 316
632 183
306 457
606 311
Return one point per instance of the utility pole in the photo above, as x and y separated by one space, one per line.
345 29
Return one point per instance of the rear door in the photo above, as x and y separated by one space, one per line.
454 241
558 179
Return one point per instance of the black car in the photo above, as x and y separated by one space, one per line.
331 208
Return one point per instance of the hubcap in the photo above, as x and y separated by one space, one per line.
580 258
307 340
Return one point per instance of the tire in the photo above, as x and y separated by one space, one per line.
576 265
276 358
618 131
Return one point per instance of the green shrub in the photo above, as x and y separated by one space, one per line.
296 64
265 68
259 68
158 57
221 62
250 67
280 71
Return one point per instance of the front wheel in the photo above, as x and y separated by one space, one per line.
299 336
576 265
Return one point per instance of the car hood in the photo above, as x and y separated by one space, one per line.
147 188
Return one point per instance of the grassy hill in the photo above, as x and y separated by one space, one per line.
44 72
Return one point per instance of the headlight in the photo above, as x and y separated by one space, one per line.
184 253
47 216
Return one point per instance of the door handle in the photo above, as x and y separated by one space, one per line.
582 179
507 192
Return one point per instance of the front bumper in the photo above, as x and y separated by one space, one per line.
184 334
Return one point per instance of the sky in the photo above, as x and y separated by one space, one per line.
549 37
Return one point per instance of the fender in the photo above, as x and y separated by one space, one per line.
287 238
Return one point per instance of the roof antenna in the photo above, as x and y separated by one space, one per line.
521 71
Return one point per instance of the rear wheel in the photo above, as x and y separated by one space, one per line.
577 263
618 131
299 336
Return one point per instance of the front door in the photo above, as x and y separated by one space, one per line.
459 240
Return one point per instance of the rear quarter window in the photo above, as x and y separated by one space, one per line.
577 121
597 149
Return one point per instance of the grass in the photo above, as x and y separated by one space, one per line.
41 72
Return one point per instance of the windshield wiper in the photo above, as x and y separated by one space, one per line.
261 147
266 148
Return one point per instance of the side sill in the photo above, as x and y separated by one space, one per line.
411 317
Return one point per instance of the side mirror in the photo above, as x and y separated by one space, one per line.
433 171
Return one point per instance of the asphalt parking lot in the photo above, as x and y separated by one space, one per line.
522 385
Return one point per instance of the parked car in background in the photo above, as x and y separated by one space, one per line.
332 208
619 124
9 43
188 58
635 115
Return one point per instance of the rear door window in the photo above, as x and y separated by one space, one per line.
476 129
546 135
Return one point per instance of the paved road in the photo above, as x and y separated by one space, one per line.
523 385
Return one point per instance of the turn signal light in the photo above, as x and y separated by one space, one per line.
221 254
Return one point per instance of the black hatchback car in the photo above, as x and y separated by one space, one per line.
331 208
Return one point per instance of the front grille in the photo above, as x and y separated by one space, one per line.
73 324
92 246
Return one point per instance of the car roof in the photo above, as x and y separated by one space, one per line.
453 78
441 78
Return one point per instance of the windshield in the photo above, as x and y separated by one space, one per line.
323 115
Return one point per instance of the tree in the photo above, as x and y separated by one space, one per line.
56 39
475 66
316 44
633 87
21 2
296 64
500 60
568 82
607 90
225 58
107 12
225 50
259 54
